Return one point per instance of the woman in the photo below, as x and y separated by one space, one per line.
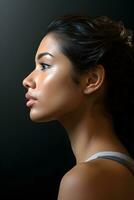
84 79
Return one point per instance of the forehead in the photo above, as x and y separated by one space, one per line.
49 44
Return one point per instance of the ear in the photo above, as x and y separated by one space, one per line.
94 79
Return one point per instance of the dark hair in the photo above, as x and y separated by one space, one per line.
88 41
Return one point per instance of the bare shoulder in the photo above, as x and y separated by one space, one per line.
97 180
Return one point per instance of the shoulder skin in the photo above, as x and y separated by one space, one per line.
97 181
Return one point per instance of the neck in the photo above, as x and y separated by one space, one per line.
91 132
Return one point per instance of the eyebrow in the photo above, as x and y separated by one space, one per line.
44 54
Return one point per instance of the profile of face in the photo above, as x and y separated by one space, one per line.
51 91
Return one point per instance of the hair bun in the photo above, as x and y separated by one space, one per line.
126 34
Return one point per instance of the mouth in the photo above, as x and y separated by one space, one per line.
30 100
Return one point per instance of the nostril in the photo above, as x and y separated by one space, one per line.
25 83
28 83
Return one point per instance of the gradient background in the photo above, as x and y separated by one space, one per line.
34 157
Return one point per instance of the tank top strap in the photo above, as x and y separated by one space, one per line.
117 156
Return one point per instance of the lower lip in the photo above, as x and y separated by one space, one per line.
30 102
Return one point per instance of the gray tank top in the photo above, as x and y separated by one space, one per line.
117 156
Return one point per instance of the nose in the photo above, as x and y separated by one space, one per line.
28 82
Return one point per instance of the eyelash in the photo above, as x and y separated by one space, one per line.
43 66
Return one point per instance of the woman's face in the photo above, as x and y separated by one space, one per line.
51 91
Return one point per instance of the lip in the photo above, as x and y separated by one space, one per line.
29 96
30 102
30 99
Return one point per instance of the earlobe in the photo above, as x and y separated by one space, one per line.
94 79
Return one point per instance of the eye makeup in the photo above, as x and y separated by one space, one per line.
44 66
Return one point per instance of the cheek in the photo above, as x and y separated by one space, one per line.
58 89
58 95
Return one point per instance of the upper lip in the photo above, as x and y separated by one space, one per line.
29 96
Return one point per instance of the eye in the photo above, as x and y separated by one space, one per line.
44 66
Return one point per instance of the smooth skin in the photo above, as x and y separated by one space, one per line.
80 110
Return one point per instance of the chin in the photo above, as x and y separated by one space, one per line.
39 118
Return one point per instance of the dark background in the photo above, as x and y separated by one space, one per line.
34 157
